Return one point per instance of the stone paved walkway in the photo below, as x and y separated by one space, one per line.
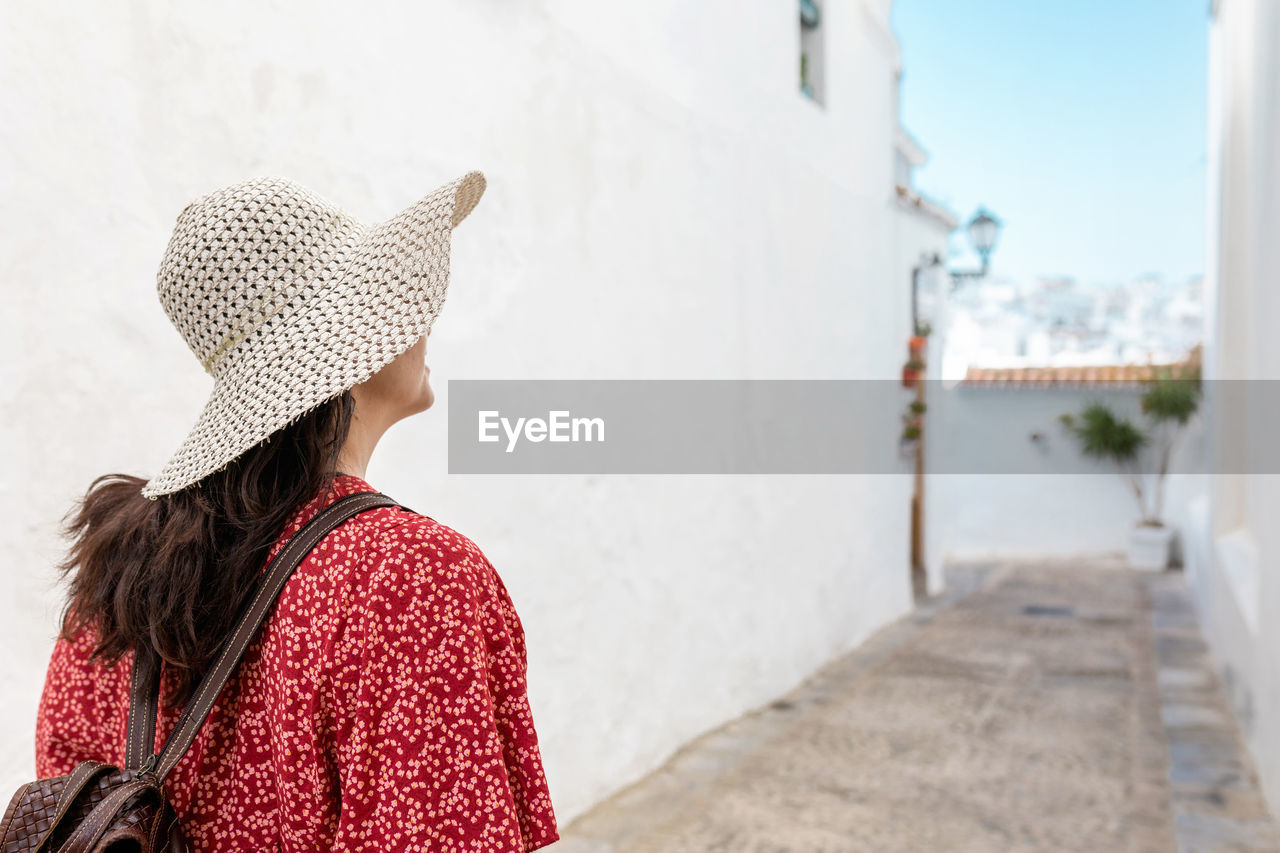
1046 707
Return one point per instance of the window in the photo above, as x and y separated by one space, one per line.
811 60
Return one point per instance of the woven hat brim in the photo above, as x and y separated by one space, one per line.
384 297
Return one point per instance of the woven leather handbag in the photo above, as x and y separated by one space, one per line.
98 807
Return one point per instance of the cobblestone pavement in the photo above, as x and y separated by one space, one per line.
1056 706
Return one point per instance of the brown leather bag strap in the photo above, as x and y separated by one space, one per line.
250 621
144 698
84 773
89 831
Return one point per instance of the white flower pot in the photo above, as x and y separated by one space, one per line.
1149 547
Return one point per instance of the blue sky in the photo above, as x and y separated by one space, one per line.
1080 124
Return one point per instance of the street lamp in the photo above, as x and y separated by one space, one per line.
810 15
983 231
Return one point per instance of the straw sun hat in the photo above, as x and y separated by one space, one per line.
287 301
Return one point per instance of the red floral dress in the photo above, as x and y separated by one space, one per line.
382 706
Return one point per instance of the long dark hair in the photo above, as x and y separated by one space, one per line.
175 572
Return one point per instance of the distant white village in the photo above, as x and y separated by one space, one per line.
1059 321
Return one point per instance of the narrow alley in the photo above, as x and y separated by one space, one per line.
1054 706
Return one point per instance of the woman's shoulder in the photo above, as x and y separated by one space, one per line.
420 576
397 530
395 551
407 553
385 530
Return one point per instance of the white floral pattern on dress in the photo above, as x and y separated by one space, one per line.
382 707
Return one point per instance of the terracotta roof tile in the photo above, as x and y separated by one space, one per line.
1083 375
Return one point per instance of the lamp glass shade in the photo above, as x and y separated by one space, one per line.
984 229
810 16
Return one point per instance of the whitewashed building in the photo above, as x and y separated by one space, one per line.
1234 552
663 202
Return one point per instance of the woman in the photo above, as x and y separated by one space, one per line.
383 705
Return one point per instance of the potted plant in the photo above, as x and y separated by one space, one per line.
1167 404
909 440
911 372
912 428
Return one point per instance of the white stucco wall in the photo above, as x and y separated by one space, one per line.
1042 512
662 203
1235 574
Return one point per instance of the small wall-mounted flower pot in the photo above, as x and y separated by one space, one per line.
912 371
915 344
1149 547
